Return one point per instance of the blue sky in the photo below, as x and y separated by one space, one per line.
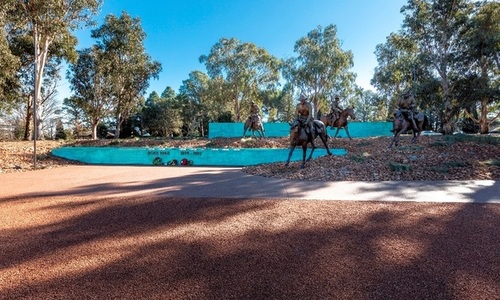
180 31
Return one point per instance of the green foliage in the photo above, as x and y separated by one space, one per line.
440 169
225 117
125 64
248 143
477 139
446 54
321 68
410 149
455 164
60 132
357 158
47 26
397 167
442 143
240 71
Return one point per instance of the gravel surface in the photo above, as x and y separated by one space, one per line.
75 247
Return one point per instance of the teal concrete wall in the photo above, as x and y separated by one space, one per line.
216 157
356 129
195 156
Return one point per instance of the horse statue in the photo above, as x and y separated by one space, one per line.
299 136
401 124
255 125
341 122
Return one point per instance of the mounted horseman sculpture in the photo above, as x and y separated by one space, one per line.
407 118
338 117
254 122
305 130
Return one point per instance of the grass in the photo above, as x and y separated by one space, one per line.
440 169
455 164
399 167
360 158
479 139
491 162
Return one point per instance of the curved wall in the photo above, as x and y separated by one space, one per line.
179 156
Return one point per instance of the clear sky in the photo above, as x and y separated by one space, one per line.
180 31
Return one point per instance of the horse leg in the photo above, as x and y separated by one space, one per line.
292 147
415 136
313 146
395 139
347 132
336 132
324 139
420 127
304 151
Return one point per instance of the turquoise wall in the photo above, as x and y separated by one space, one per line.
195 156
215 157
356 129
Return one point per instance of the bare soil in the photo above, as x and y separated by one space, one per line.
367 159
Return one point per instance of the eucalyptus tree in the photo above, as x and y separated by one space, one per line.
435 26
9 64
50 22
321 66
396 70
75 115
246 69
149 112
90 87
278 104
194 93
126 65
163 114
217 104
478 62
21 45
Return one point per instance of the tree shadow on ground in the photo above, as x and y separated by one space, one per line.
206 248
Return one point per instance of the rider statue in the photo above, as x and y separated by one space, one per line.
335 109
304 114
254 114
407 107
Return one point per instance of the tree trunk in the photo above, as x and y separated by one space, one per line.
27 125
94 130
483 121
38 127
448 126
119 121
236 110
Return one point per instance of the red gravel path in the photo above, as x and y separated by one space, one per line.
83 247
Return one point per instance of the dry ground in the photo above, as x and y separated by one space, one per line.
368 159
